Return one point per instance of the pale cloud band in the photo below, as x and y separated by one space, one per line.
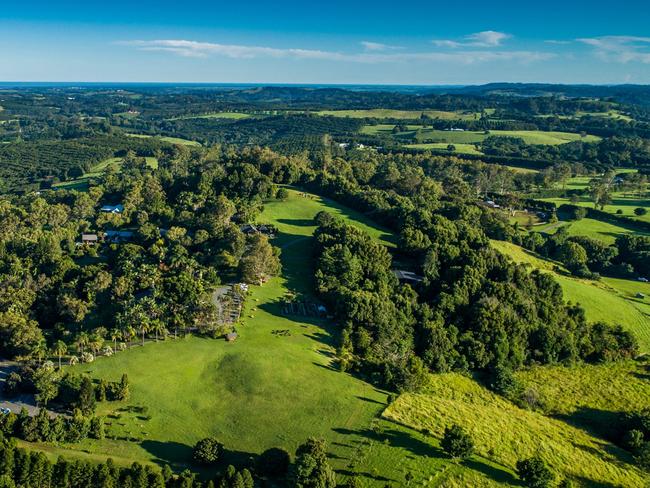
485 39
373 52
622 49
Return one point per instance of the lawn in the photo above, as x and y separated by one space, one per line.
608 300
597 229
472 137
263 390
216 115
611 387
97 170
625 203
171 140
382 113
437 146
504 433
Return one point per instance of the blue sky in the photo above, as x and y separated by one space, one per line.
379 42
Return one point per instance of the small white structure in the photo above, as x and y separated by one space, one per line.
119 208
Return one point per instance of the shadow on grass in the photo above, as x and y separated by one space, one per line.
179 457
417 447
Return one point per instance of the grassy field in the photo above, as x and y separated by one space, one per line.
263 390
216 115
437 146
383 113
473 137
81 183
611 387
620 202
504 433
171 140
597 229
609 300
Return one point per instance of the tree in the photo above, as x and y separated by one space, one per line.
273 462
312 467
46 382
123 388
60 348
207 451
261 261
573 255
457 443
534 472
87 400
640 211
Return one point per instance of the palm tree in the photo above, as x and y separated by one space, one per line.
82 341
144 327
158 328
60 348
96 343
115 335
40 350
128 334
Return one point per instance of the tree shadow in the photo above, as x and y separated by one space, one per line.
179 457
298 222
416 447
603 424
499 475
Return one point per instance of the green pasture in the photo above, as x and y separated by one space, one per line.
216 115
171 140
429 136
504 433
383 113
264 390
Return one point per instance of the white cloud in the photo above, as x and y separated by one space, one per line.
374 53
621 49
378 46
479 39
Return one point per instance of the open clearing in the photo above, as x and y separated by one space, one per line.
171 140
216 115
81 183
609 299
263 390
383 113
424 135
504 433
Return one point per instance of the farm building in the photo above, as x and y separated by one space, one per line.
119 208
90 239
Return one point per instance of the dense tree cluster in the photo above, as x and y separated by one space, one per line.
181 228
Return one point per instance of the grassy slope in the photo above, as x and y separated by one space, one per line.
471 137
598 229
608 300
171 140
81 183
612 387
258 392
381 113
217 115
504 433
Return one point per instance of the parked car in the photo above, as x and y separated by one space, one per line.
642 279
5 411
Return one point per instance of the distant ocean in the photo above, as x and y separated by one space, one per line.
213 86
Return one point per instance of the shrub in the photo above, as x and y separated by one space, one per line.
534 472
457 443
640 211
282 194
207 451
